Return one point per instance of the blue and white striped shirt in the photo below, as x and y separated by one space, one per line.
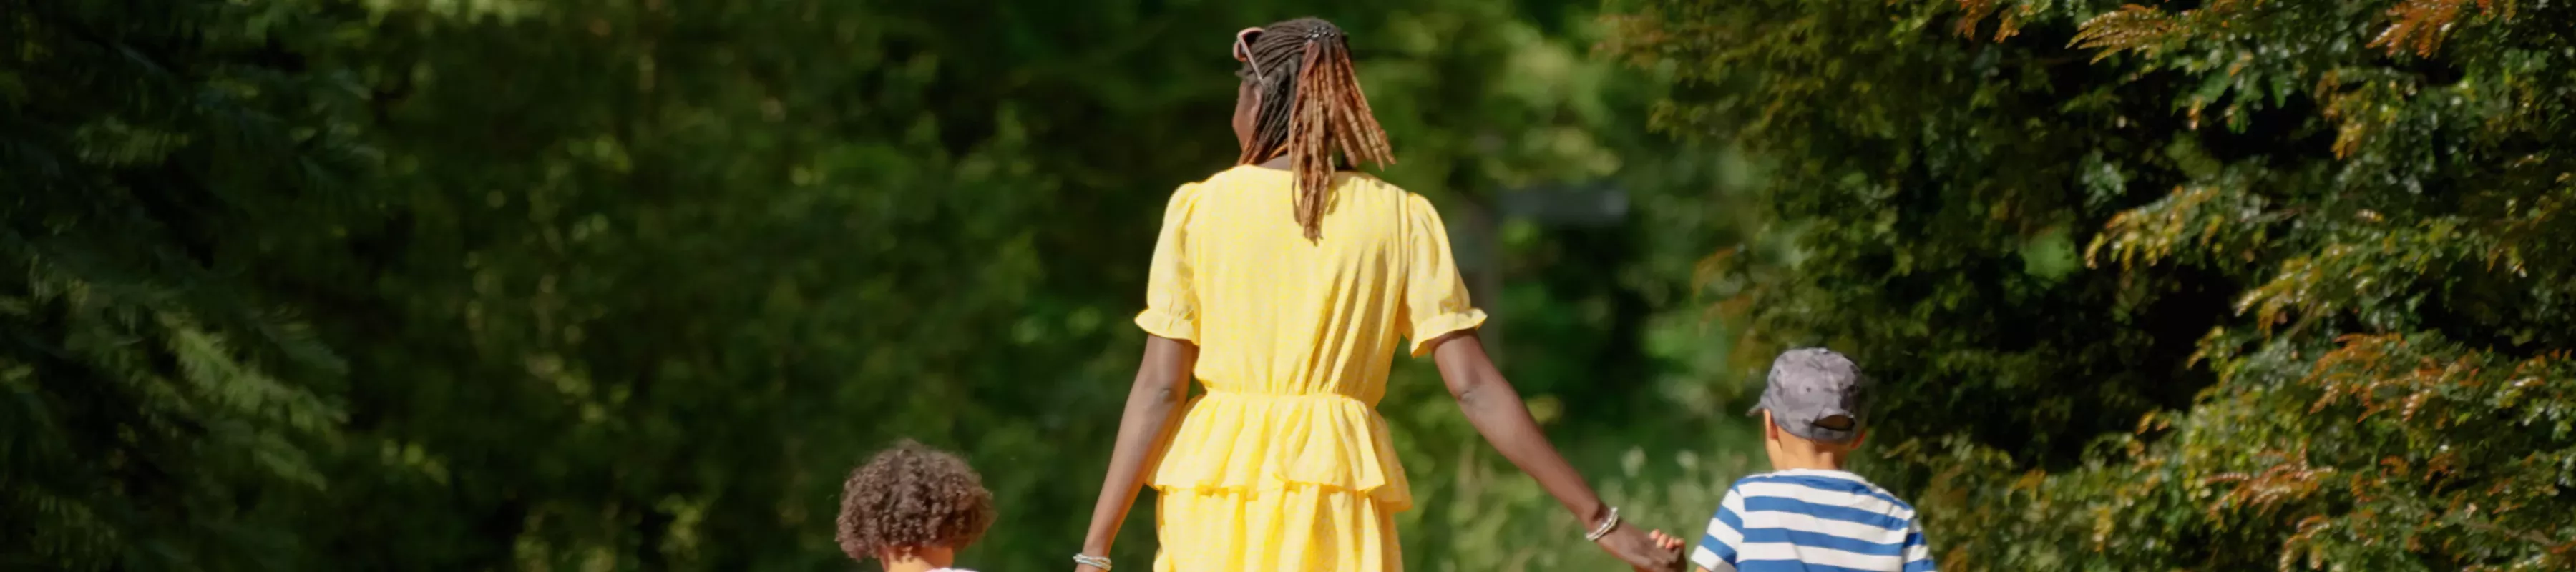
1805 520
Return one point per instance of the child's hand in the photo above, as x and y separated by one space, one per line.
1666 540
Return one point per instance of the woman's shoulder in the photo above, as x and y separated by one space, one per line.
1371 193
1370 183
1238 173
1242 175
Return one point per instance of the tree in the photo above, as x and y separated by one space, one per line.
161 407
2315 318
632 285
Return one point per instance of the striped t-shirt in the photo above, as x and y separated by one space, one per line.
1812 520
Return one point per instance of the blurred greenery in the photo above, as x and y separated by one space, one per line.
573 284
313 284
2320 317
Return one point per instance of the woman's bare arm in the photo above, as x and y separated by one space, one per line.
1495 408
1161 381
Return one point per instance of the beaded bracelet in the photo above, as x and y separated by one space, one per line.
1606 526
1093 561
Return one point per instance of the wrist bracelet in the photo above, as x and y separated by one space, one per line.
1100 562
1607 525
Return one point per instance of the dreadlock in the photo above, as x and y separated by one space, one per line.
1311 106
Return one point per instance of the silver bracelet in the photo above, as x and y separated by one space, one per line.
1606 526
1100 562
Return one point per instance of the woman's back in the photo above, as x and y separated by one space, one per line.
1277 313
1296 335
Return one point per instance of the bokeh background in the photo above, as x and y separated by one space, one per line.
632 284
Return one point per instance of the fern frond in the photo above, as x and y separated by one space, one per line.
2132 27
2424 24
1972 13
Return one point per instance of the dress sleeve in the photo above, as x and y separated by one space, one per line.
1435 298
1171 300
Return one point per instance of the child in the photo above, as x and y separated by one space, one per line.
912 508
1808 513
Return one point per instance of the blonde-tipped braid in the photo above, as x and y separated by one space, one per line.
1311 110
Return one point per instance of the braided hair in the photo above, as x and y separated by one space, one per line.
1310 107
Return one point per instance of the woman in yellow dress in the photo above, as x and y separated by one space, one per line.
1284 285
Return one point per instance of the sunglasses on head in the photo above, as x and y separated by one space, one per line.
1243 50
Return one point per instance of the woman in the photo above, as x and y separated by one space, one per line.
1283 285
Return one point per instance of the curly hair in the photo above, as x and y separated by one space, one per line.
910 497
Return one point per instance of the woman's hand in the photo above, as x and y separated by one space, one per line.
1086 568
1644 553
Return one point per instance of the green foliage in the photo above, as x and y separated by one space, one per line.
435 285
154 399
2321 321
617 285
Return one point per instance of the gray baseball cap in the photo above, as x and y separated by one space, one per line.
1810 385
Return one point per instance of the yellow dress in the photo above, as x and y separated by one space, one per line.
1284 464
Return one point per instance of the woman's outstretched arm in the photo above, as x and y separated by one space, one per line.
1495 408
1161 381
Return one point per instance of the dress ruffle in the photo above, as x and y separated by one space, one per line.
1300 528
1253 443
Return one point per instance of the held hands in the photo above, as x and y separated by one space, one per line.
1666 540
1659 553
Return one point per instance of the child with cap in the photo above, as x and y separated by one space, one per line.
1808 513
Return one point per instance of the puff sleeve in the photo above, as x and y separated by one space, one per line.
1171 300
1435 298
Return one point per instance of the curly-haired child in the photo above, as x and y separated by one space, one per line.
912 508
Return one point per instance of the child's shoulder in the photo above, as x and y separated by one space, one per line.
1808 484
